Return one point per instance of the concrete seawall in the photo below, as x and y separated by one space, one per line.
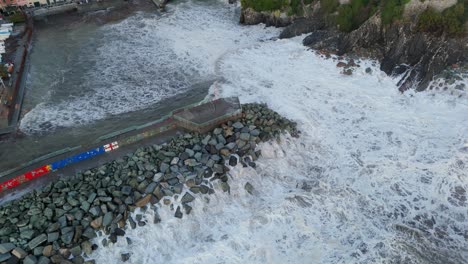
42 13
197 118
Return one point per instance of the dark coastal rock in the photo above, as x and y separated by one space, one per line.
187 198
6 247
324 39
399 48
249 188
252 17
37 241
301 26
178 213
125 257
4 257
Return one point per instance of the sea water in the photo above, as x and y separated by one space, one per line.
376 176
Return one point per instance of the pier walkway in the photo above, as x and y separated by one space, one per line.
67 162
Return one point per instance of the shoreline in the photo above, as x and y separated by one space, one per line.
19 80
115 12
181 169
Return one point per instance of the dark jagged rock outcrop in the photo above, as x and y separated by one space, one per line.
401 49
252 17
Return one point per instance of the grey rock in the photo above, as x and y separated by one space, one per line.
119 232
245 136
158 176
78 260
189 152
51 237
206 140
178 213
225 187
215 158
125 257
231 145
129 241
76 251
37 241
232 161
126 190
187 198
30 260
49 213
19 253
107 219
238 125
4 257
174 168
218 168
219 146
92 196
249 188
255 132
95 211
132 222
164 167
169 154
43 260
175 160
178 188
67 237
6 247
187 208
85 206
217 131
150 188
53 227
86 247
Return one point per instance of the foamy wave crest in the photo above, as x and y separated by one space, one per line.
145 59
392 166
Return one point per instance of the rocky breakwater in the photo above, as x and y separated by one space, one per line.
58 223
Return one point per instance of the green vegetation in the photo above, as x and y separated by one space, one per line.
329 6
352 15
392 10
451 20
293 7
265 5
17 18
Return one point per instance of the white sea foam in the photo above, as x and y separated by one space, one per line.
144 59
376 177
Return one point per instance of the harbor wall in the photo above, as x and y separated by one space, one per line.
69 156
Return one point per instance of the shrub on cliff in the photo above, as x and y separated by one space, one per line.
352 15
264 5
329 6
294 7
392 10
450 21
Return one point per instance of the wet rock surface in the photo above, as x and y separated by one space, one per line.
56 223
402 51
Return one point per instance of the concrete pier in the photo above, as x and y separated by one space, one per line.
196 118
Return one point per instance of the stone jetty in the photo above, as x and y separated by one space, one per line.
57 223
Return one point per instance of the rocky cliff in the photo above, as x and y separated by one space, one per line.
417 56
